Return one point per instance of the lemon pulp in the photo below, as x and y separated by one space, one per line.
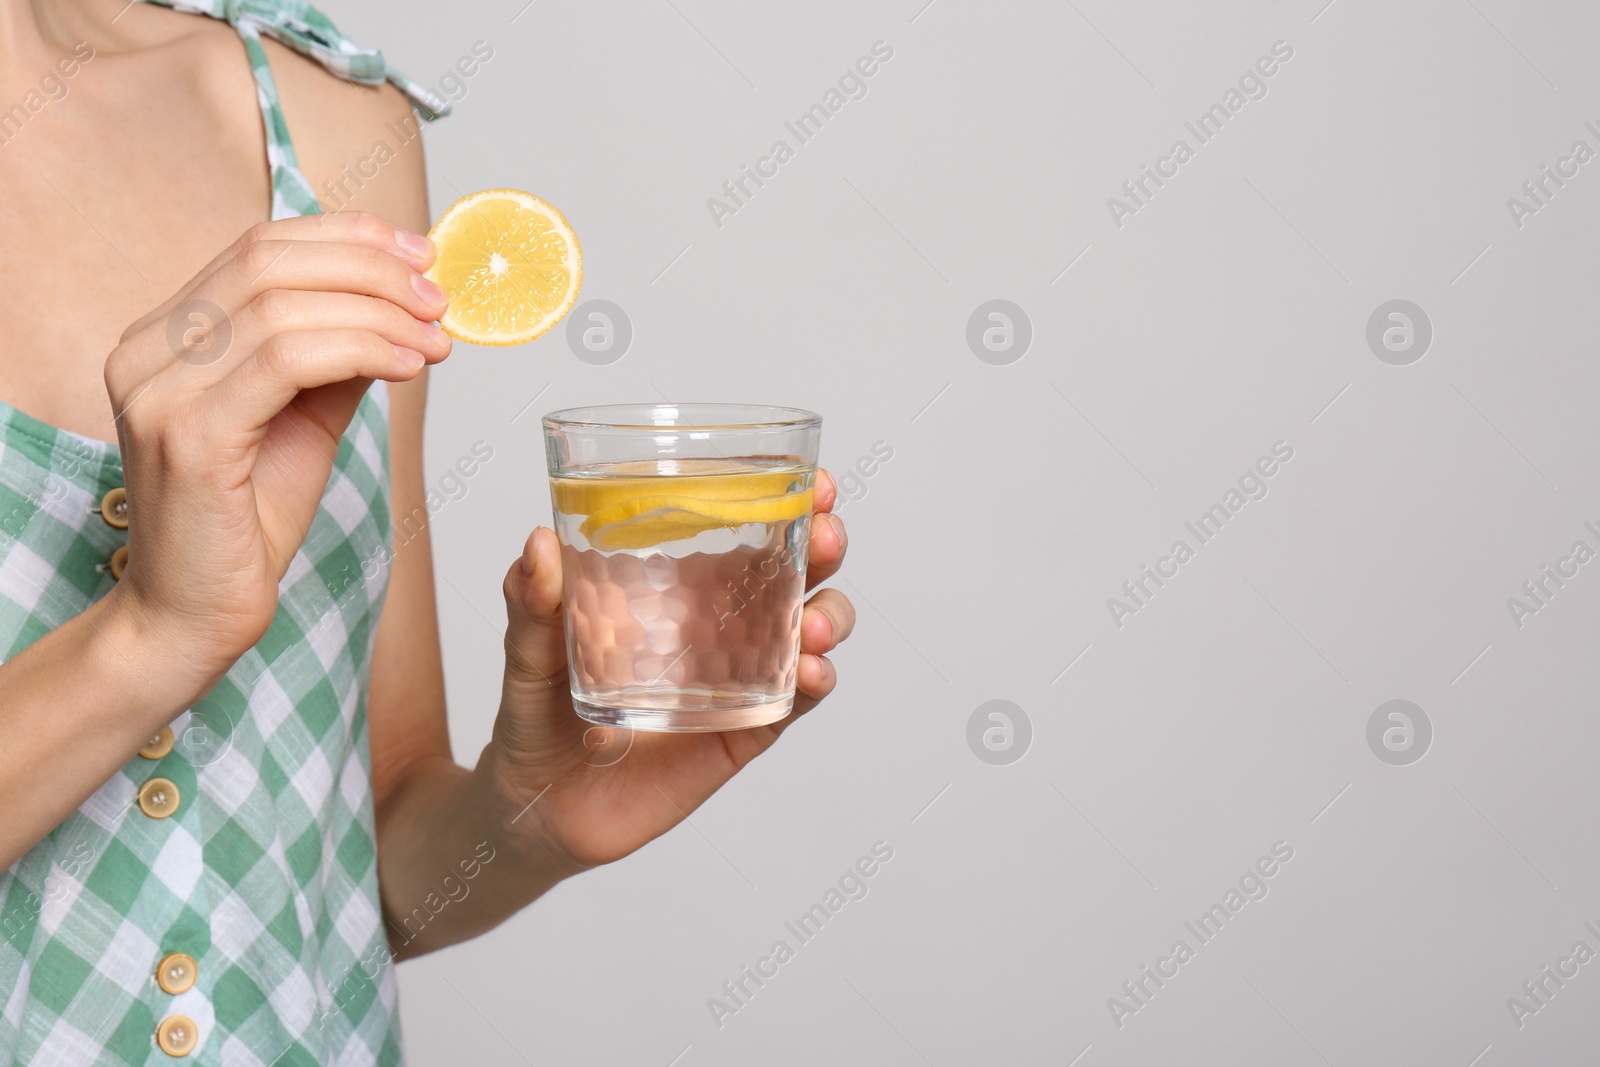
511 264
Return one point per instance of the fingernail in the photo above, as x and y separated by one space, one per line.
527 563
409 358
428 289
413 244
836 524
436 335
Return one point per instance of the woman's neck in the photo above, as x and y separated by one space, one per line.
31 27
36 33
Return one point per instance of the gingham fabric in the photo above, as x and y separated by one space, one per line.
265 874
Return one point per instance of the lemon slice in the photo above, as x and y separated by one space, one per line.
646 521
511 265
647 531
702 479
645 503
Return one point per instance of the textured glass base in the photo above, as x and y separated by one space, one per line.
684 720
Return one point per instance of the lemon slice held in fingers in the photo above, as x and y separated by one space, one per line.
511 264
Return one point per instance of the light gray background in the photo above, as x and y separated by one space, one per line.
1231 712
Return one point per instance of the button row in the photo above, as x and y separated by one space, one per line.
177 1035
114 510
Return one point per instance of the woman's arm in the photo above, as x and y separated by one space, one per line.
435 817
225 464
545 800
75 706
537 807
542 803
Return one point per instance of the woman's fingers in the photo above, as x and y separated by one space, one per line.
828 617
825 492
537 731
536 649
281 311
284 312
346 227
271 376
538 735
815 678
533 588
828 544
828 541
320 266
267 284
827 620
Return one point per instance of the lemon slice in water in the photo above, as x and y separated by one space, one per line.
703 479
650 520
642 512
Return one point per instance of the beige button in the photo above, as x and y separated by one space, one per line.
177 1035
158 798
119 562
159 745
114 508
176 973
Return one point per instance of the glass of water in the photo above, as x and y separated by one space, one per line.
684 530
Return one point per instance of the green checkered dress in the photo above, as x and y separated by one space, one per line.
265 874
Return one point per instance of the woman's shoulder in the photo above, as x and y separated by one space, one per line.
358 144
202 56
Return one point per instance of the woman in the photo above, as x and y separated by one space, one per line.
230 798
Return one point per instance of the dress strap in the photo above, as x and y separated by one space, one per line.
300 26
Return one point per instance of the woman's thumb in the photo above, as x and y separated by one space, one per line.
536 646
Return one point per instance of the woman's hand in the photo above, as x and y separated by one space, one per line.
230 401
598 793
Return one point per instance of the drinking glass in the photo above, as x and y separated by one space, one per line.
683 530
